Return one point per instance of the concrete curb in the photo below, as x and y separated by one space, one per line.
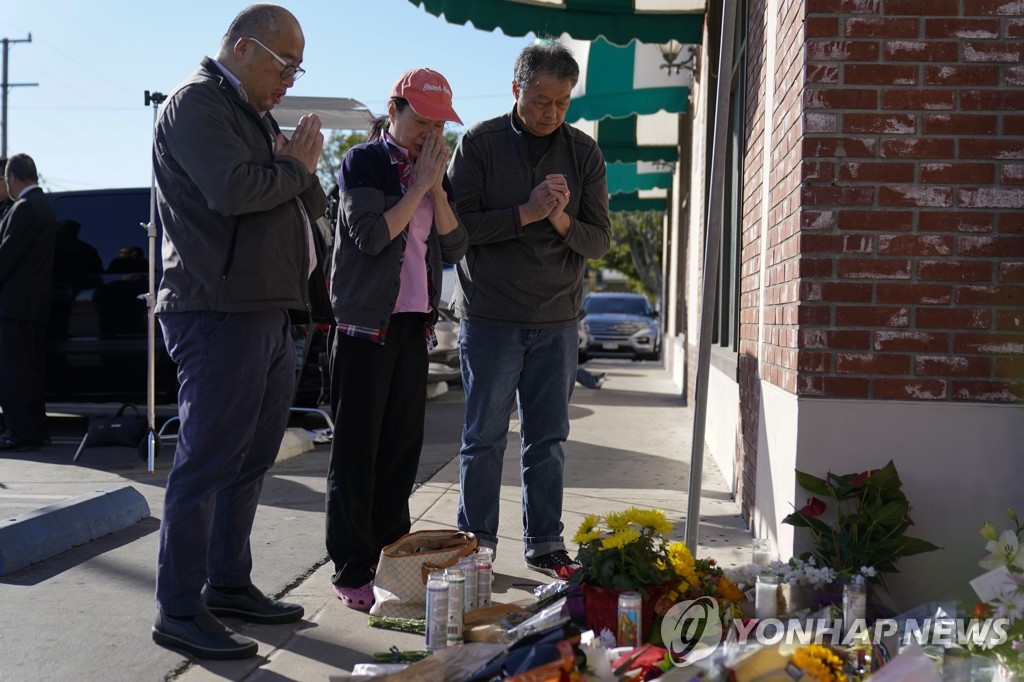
33 537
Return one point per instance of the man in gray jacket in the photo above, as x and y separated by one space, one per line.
533 195
236 201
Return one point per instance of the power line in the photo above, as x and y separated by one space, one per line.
4 86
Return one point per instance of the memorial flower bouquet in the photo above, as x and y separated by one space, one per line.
861 523
624 550
1004 556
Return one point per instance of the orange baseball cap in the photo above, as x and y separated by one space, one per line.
428 93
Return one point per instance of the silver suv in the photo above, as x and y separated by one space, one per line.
619 324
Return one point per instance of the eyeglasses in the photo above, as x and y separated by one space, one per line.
290 71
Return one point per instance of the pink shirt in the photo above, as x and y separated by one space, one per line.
413 296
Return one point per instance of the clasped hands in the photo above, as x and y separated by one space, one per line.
547 200
305 144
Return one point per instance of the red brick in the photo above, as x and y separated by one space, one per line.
997 8
990 295
988 245
952 318
923 100
886 221
843 7
845 387
923 196
840 98
819 147
814 362
992 197
821 27
914 294
952 366
955 221
991 51
1013 125
857 27
820 171
821 73
935 8
874 268
1012 174
908 389
832 195
958 173
955 271
818 122
880 74
1015 28
834 339
833 292
817 220
1011 272
920 51
959 124
917 148
1010 320
815 267
1015 76
1011 223
1008 99
961 28
876 171
988 391
989 148
911 341
842 51
961 75
914 245
817 244
988 343
1009 367
880 124
869 363
814 315
872 316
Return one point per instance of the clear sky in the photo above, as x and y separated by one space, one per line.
86 123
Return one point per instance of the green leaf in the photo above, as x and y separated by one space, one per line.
812 484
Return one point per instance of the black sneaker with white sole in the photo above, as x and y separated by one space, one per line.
557 564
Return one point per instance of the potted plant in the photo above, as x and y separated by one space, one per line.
860 527
623 551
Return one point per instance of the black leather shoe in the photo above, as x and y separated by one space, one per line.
252 605
203 636
14 444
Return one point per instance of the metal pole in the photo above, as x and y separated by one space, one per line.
152 438
716 202
4 86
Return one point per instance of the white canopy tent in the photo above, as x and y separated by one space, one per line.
336 113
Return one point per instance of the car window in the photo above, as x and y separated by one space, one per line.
616 305
105 225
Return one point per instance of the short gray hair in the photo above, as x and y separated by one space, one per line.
546 56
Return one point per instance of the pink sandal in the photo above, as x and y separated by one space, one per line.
358 598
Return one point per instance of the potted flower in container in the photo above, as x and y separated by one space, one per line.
620 552
866 535
1004 557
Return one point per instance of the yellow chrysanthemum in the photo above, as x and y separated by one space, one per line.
588 530
626 536
617 520
820 663
654 519
728 591
682 562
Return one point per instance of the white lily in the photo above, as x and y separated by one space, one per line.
1004 551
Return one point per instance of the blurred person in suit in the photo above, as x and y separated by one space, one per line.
27 234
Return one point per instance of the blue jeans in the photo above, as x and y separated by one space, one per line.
500 364
237 376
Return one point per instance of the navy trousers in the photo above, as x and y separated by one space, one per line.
237 376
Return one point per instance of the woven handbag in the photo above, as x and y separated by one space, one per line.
399 585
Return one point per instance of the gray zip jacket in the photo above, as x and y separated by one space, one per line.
526 276
234 238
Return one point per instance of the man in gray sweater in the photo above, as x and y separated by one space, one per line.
532 193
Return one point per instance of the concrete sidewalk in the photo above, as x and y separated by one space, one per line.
629 445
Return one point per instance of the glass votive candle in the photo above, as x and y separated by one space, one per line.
762 551
766 596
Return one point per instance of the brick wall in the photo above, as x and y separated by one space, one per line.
910 240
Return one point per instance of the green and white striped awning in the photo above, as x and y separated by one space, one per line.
652 137
618 21
626 178
622 81
642 200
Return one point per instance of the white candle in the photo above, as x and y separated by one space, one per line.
766 597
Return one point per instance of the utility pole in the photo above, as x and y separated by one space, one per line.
4 86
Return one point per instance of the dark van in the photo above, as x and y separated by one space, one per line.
97 336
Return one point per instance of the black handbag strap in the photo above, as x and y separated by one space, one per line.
127 405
